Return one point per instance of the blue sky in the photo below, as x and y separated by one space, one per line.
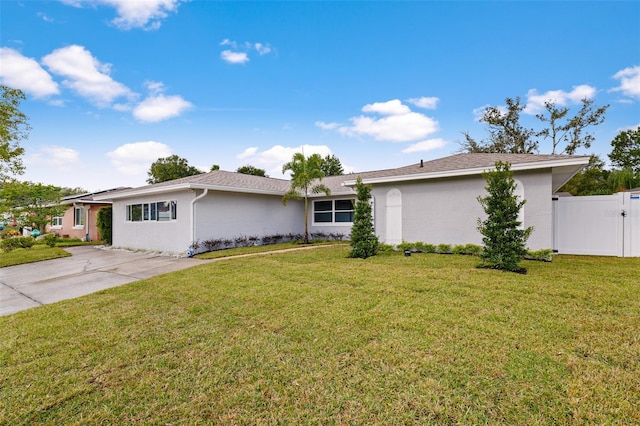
113 85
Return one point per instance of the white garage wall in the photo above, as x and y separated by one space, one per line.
446 210
170 236
230 215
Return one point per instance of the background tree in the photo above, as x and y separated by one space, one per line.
14 127
331 166
214 167
626 150
364 242
506 133
31 204
66 191
623 180
251 170
570 132
503 238
169 168
104 224
591 180
306 179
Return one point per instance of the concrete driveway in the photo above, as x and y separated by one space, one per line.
88 270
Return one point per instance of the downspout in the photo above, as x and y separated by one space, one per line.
86 224
193 216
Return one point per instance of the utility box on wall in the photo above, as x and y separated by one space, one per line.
602 225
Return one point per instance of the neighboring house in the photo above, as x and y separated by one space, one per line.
79 219
433 201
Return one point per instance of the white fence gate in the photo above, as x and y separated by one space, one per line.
604 225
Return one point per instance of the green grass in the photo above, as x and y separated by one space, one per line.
238 251
312 337
36 253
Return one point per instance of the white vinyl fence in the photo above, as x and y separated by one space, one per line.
605 225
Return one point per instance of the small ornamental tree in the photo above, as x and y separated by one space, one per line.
103 220
503 236
364 242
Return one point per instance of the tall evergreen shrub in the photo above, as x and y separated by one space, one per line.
503 236
364 242
103 219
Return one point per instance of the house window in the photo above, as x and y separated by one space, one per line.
333 211
78 217
56 222
160 211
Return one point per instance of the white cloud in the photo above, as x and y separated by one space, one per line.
327 126
399 125
424 102
234 57
53 157
134 159
159 107
424 146
145 14
262 49
275 157
393 107
535 101
19 72
248 152
629 82
240 52
85 75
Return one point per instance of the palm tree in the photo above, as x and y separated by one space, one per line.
304 172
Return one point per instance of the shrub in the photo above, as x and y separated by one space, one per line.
9 244
364 242
443 249
50 239
459 249
473 249
504 240
543 255
104 223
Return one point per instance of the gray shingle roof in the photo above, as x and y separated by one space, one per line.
237 182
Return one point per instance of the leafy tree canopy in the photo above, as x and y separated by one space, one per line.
170 168
507 134
592 180
626 150
331 166
31 204
14 127
214 168
306 179
251 170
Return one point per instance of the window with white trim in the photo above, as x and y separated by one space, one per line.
56 222
160 211
78 216
333 211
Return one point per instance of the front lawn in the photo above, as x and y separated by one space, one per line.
36 253
313 337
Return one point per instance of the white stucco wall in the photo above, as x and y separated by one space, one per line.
446 210
230 215
168 236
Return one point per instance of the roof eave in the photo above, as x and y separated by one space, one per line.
187 186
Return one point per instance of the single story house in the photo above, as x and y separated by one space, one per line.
431 201
79 219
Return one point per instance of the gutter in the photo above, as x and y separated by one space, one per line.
193 214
